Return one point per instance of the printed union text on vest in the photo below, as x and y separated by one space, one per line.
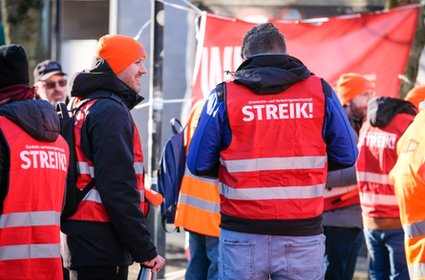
43 157
272 110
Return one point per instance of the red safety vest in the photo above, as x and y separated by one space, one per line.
30 222
377 156
275 166
91 207
198 207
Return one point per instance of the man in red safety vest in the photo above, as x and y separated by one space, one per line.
33 166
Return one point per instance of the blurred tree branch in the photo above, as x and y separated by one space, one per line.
412 68
23 25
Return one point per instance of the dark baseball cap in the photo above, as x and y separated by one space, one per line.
46 69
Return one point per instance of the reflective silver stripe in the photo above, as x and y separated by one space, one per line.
338 191
207 180
200 203
283 163
138 167
290 192
371 177
378 199
414 230
417 271
93 195
31 251
142 195
84 168
25 219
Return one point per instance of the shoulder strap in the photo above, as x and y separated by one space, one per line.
221 91
327 90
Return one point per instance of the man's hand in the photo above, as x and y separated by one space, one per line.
156 263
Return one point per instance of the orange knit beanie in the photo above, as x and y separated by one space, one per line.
416 95
119 51
350 85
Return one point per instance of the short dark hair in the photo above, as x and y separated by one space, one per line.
263 38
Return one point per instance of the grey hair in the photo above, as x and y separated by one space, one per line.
263 38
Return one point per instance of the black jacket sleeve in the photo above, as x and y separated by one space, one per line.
109 127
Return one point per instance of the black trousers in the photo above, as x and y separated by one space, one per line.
100 273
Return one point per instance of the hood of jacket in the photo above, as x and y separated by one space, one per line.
382 110
271 73
36 117
102 78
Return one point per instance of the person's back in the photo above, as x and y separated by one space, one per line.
107 231
387 120
342 218
270 136
33 166
408 178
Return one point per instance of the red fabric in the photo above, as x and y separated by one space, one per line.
254 133
16 93
376 156
90 210
37 184
359 43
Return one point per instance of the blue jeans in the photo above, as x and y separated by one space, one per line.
203 262
342 249
246 256
387 256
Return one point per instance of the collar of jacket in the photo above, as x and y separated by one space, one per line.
382 110
271 73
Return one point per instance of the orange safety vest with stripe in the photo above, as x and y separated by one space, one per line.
275 166
198 207
408 177
91 207
377 156
30 221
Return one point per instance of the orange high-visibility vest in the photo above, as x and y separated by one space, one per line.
30 221
408 177
275 166
91 207
198 208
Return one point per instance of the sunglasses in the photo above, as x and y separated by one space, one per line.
51 85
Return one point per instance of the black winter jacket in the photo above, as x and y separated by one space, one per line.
107 140
35 117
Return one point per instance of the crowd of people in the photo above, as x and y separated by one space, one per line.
286 176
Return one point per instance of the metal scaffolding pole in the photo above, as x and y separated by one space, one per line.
155 115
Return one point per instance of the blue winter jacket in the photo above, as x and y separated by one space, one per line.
268 74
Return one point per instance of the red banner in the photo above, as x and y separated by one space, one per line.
374 44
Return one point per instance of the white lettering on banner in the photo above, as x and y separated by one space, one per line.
276 109
215 62
43 157
379 139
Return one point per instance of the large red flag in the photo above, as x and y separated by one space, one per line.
373 44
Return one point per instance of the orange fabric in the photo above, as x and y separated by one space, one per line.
197 218
416 95
119 51
350 85
154 197
409 185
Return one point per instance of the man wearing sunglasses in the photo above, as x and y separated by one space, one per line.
50 82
